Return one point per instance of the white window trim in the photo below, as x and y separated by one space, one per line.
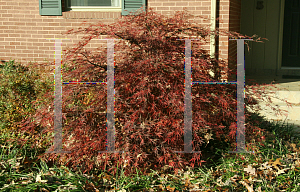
97 8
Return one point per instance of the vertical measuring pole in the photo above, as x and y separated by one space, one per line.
110 99
240 133
188 131
58 99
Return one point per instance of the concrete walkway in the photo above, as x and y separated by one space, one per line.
292 94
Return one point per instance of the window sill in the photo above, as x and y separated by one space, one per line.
101 13
102 9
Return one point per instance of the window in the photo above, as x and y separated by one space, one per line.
94 5
110 3
54 7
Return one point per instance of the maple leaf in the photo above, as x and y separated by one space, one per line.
250 170
275 163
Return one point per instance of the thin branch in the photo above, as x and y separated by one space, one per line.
133 41
104 67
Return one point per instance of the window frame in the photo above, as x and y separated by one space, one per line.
94 8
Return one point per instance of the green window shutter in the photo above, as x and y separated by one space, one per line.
50 7
132 5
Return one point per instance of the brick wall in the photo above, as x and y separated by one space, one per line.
234 25
23 32
195 7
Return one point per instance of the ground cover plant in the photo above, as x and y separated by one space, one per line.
149 96
19 86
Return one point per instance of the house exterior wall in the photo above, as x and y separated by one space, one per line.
234 25
23 31
262 58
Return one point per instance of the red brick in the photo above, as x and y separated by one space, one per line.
191 9
183 4
40 32
4 11
6 7
6 23
6 15
3 27
23 5
206 4
14 35
26 51
163 8
49 44
47 20
225 16
31 15
225 7
5 50
9 47
53 24
21 55
37 44
167 4
13 27
176 8
194 4
205 12
39 51
21 47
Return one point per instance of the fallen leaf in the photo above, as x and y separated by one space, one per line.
249 188
250 170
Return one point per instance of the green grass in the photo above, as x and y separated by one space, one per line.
21 171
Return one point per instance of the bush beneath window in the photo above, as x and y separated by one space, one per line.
149 94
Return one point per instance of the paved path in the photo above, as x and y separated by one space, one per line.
292 94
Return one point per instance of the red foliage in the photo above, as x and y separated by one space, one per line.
149 95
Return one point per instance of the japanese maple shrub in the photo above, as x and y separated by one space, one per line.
149 95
